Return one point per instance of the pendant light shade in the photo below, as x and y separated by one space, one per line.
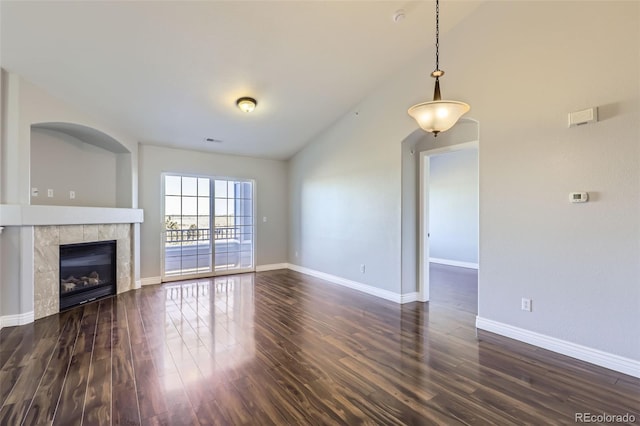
438 115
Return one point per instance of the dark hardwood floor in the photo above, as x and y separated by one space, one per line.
283 348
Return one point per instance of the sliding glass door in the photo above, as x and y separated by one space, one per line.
233 224
208 226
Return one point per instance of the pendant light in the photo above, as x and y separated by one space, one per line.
438 115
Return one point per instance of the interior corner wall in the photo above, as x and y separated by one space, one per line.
271 198
344 192
125 197
577 262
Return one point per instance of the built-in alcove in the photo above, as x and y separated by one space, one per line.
68 158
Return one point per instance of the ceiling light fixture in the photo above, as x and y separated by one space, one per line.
246 104
438 115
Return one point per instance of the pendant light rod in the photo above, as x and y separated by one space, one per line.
437 73
437 116
437 39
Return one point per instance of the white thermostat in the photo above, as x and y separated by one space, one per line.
579 197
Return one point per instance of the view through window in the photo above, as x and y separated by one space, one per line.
208 226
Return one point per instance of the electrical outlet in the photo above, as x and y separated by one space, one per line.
34 192
526 304
362 268
50 193
72 195
296 253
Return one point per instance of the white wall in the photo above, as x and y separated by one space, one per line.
453 206
64 163
579 263
271 198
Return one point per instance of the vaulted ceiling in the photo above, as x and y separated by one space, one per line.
169 73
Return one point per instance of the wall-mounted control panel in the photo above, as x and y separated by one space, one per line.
586 116
579 197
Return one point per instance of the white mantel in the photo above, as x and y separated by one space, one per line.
33 215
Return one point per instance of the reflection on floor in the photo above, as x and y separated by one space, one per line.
454 286
283 348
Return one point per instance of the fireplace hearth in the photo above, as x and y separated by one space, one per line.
87 272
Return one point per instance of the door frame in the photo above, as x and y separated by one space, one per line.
213 272
423 212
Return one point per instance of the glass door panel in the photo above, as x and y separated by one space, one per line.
187 239
233 220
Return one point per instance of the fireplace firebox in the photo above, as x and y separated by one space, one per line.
87 272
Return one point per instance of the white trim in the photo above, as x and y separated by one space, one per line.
271 267
457 263
584 353
38 215
423 230
150 281
18 319
409 297
374 291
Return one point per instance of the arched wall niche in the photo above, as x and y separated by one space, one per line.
87 135
82 165
466 130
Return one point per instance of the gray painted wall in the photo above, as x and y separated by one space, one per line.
578 263
64 163
9 243
453 206
3 300
345 201
271 198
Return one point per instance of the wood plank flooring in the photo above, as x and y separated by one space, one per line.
282 348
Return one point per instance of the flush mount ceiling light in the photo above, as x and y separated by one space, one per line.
438 115
246 104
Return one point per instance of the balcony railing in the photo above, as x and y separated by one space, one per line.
196 234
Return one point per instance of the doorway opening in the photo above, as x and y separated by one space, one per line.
448 220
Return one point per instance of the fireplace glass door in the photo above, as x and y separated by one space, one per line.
87 272
208 226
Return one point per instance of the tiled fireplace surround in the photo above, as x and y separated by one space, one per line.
46 259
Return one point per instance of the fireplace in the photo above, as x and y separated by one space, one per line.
87 272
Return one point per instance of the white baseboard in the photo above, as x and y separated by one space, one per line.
584 353
374 291
18 319
409 297
457 263
150 281
271 267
